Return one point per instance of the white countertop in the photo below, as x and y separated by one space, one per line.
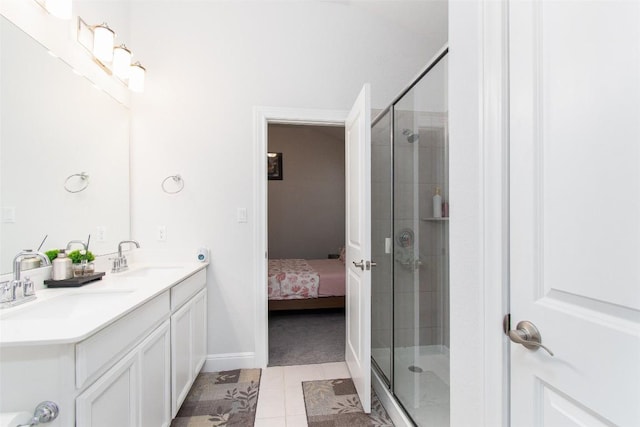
69 315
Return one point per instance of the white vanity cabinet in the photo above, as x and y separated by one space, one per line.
155 379
135 391
134 371
188 339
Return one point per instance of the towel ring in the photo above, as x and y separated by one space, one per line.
177 179
84 178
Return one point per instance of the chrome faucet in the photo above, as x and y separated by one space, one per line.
9 289
79 242
120 262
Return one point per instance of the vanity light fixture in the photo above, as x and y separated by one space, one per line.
136 77
121 62
103 39
114 60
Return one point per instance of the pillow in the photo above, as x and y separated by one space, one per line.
343 254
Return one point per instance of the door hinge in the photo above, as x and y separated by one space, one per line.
506 323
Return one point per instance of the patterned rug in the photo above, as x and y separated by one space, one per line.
227 398
335 403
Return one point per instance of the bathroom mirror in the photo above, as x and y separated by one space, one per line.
55 124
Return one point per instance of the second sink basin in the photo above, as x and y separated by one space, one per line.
150 271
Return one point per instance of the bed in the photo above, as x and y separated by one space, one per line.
298 284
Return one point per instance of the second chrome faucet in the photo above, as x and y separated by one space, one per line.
120 262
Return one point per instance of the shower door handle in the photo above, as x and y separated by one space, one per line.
359 264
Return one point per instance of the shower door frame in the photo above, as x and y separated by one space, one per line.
390 109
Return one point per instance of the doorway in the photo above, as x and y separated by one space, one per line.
305 229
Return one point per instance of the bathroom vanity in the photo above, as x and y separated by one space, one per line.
120 352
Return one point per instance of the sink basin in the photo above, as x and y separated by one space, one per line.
150 271
66 306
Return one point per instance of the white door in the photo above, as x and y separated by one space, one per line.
575 211
358 245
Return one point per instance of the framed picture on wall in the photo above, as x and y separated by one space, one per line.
274 166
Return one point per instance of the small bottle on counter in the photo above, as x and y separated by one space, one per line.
62 267
437 204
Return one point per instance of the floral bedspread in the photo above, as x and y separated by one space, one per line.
292 279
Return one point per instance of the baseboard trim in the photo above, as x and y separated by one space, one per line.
395 412
230 361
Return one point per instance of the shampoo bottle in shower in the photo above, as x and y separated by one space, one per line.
437 204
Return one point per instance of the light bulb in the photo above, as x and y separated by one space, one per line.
103 37
121 62
136 77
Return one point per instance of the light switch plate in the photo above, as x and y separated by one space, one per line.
162 233
242 214
9 215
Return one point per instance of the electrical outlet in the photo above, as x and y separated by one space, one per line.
162 233
101 233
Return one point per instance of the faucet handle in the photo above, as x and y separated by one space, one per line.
15 284
28 288
6 291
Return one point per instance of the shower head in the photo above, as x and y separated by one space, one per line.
411 137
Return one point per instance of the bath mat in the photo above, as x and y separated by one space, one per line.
226 398
335 403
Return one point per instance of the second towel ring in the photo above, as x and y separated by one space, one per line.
178 181
84 182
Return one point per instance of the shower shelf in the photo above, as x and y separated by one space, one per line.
435 219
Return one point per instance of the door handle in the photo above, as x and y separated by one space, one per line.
528 335
359 265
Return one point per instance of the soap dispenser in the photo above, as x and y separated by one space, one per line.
437 204
62 268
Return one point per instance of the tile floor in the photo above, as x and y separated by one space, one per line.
280 402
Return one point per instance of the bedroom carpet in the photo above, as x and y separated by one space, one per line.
335 403
226 398
306 337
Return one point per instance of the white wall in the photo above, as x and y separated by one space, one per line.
306 208
209 64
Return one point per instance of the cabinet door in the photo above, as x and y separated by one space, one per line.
181 356
113 399
155 378
199 317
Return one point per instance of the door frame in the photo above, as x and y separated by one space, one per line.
263 116
479 219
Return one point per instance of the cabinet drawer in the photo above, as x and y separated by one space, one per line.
184 290
98 352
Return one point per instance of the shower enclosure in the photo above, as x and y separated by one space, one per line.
410 243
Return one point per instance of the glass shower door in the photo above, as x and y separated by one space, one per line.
381 246
421 250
